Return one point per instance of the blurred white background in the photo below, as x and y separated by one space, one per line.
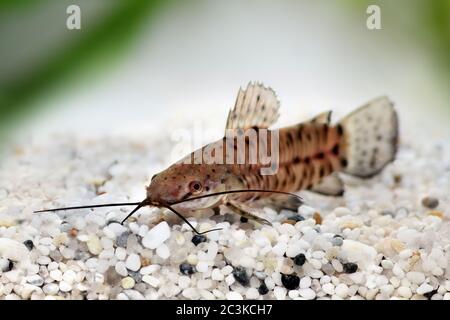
191 60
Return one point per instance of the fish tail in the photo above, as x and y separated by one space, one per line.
369 138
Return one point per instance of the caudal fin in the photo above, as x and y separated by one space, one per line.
370 136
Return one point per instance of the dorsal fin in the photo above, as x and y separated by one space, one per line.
256 106
323 118
331 185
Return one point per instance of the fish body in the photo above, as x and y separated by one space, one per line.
308 155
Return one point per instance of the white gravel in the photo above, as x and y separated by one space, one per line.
387 238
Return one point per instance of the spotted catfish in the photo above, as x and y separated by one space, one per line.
234 172
311 154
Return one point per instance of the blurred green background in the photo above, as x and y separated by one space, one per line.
188 46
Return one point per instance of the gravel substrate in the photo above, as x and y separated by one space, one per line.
387 238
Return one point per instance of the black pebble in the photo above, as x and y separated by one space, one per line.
198 238
29 244
430 202
244 219
430 294
290 281
350 267
187 269
136 275
300 259
263 289
10 266
122 239
240 275
297 218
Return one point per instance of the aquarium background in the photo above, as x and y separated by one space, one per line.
135 66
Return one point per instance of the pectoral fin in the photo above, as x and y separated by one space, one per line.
280 202
245 212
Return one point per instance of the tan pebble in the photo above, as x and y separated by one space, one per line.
317 217
414 258
331 253
179 238
436 213
285 269
192 259
128 283
73 232
7 222
292 222
94 245
270 263
19 151
145 261
60 239
350 225
397 245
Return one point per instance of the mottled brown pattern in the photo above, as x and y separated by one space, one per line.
308 152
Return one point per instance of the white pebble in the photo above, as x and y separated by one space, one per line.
121 269
217 275
404 292
424 288
163 251
150 269
230 280
202 266
387 264
226 270
51 289
13 250
415 277
156 236
328 288
121 253
153 281
341 290
56 275
279 293
69 276
133 262
305 282
398 271
64 286
307 293
184 281
35 280
337 265
233 295
252 293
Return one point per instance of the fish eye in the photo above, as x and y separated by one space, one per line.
195 187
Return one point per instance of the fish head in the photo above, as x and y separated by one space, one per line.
185 181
